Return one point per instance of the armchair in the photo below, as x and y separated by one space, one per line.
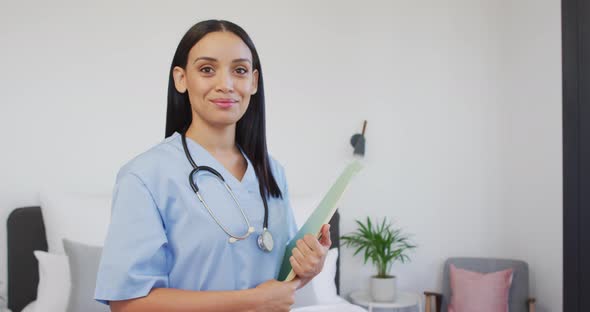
519 300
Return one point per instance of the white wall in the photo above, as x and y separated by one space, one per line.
84 89
532 144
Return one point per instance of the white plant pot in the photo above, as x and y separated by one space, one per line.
384 289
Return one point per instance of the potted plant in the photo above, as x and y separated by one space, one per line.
383 245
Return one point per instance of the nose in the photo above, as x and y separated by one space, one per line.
225 82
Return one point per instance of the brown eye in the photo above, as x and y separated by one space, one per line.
241 70
206 70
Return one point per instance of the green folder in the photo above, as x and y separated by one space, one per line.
320 216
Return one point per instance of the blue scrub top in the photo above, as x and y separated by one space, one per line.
161 235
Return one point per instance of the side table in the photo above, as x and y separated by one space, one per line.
404 300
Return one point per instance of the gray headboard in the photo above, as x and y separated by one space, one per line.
26 233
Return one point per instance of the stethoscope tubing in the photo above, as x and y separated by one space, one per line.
195 187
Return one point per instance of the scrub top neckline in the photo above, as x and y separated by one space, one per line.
203 152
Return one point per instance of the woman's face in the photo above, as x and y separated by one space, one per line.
219 78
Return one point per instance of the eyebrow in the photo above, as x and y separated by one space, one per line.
211 59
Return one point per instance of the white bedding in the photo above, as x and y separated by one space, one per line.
337 307
30 307
341 306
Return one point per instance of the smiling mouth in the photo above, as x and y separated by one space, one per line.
224 103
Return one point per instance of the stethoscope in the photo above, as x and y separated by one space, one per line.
265 241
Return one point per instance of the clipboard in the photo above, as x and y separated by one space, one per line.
320 216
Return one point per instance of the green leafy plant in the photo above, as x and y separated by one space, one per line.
382 244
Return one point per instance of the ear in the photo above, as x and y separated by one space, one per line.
179 76
254 81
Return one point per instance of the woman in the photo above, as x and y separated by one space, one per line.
190 244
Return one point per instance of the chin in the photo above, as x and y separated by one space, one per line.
225 120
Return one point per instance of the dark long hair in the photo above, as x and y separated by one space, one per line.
250 129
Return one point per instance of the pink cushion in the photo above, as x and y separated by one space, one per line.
474 291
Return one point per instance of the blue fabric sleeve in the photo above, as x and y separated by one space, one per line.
134 258
291 224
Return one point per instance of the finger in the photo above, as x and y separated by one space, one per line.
306 263
302 246
296 266
295 282
313 243
326 242
298 255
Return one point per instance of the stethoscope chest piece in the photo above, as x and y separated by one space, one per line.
265 241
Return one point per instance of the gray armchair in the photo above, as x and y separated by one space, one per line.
518 299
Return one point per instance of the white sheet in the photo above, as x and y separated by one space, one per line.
341 306
338 307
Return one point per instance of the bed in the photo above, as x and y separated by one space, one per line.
26 233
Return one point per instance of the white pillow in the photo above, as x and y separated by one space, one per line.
76 216
322 288
324 284
305 296
53 291
30 307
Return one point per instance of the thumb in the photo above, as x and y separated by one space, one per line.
295 282
325 240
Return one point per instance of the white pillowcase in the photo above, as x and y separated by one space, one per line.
53 291
30 307
76 216
321 289
324 284
305 296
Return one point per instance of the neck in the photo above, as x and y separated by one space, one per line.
216 140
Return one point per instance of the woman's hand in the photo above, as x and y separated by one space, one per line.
310 254
277 296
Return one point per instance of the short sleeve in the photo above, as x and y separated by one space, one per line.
134 257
